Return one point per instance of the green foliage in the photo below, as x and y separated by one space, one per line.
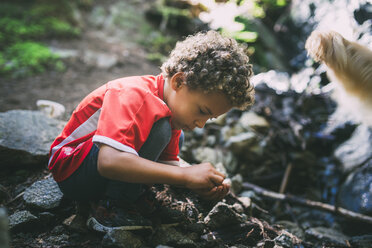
157 43
23 26
250 32
260 7
26 58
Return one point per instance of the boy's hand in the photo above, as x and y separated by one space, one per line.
202 176
215 194
206 181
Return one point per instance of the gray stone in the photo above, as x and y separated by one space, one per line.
99 59
237 183
243 142
286 240
216 156
58 240
26 137
250 120
43 194
22 220
51 108
222 215
167 235
326 236
356 192
292 228
121 238
58 230
363 241
356 150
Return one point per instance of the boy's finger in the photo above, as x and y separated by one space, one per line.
217 179
220 174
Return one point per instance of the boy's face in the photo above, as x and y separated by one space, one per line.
192 108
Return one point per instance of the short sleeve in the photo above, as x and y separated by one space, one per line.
127 117
171 151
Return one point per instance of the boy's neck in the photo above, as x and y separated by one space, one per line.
166 90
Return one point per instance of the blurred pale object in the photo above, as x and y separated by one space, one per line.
50 108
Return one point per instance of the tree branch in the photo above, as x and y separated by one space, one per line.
313 204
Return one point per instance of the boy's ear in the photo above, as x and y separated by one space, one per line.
177 81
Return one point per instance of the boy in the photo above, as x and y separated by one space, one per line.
126 134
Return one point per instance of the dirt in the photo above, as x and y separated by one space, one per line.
70 86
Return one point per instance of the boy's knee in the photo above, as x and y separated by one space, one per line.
158 139
161 131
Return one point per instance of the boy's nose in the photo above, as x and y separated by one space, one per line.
200 123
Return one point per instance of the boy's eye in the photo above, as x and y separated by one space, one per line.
202 112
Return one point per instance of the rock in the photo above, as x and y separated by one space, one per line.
327 236
250 120
58 240
292 228
356 192
216 156
222 215
22 220
363 241
120 238
286 240
246 201
58 230
99 59
26 137
51 109
166 235
4 229
237 184
243 143
356 150
43 194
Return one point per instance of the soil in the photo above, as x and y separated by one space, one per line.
70 87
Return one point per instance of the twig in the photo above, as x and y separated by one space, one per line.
15 198
284 183
308 203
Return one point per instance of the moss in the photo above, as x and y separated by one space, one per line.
59 28
25 58
156 58
158 45
23 27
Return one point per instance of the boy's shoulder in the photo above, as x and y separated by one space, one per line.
146 82
138 89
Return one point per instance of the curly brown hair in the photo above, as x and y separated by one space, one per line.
211 62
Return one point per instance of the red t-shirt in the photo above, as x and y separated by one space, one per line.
119 114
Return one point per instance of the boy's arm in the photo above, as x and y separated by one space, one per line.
124 166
